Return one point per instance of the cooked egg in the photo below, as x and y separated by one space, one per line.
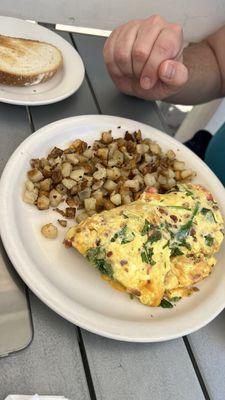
157 247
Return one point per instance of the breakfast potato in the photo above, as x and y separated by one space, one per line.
103 176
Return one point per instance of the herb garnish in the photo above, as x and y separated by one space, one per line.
209 240
97 257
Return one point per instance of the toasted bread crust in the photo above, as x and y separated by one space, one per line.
17 79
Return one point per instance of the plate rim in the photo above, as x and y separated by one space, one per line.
36 290
61 97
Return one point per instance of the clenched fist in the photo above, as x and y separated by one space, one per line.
144 58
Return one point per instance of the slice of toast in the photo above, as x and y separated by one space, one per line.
26 62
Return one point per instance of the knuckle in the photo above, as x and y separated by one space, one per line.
140 54
178 28
121 56
165 48
156 19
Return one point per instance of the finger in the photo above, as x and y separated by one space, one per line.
146 37
124 84
166 47
123 47
108 54
173 73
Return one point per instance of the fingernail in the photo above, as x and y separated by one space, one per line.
146 83
169 71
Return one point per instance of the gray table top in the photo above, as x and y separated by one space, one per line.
62 358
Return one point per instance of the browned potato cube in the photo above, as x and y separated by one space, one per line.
55 198
108 204
103 153
43 202
62 222
49 231
35 175
57 175
70 212
79 146
46 184
138 136
107 137
56 152
71 202
47 171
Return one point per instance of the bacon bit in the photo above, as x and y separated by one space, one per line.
149 269
135 292
150 233
109 254
151 190
192 232
162 211
67 243
196 277
209 197
123 262
174 218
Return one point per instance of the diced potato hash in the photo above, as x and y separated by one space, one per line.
110 173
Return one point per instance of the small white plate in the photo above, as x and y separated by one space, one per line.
63 279
62 85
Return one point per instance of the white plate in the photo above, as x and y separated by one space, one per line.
62 85
63 279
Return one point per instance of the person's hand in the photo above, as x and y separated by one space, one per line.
144 58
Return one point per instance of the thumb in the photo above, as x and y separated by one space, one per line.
173 73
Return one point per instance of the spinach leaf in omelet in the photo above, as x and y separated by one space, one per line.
147 254
185 229
146 228
209 240
208 214
175 251
166 304
124 235
97 257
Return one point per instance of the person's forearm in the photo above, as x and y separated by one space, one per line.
204 83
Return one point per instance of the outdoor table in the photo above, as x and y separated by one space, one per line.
66 360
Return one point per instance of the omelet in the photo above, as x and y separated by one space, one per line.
156 248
